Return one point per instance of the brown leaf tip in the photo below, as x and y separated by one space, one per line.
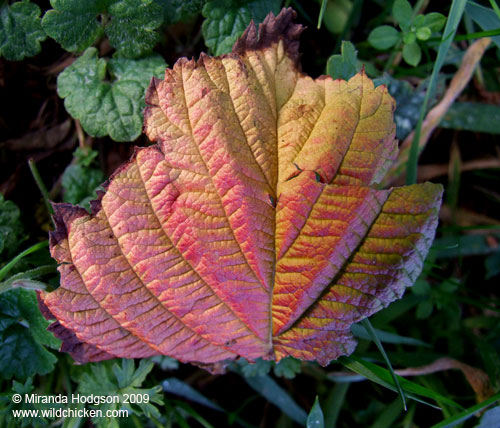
271 31
63 214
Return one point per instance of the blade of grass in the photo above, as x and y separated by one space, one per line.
322 12
193 413
42 188
478 35
454 18
373 334
276 395
396 309
467 413
388 416
486 18
184 390
386 337
315 419
333 404
6 269
495 8
355 11
410 414
382 376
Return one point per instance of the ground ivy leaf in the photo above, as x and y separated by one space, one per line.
345 65
226 20
80 183
73 23
11 228
288 367
23 336
80 180
84 89
132 27
259 367
20 30
105 107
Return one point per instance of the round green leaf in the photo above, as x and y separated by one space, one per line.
424 33
402 12
435 21
383 37
412 54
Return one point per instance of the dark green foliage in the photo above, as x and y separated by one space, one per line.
20 30
475 117
23 336
415 30
116 379
11 228
73 23
131 29
180 10
130 24
182 389
7 406
226 20
80 179
270 390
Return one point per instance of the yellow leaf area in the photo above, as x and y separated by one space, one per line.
253 227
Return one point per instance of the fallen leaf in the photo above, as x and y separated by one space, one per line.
254 226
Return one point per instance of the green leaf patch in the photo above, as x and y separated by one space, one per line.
107 97
23 336
11 228
130 24
20 30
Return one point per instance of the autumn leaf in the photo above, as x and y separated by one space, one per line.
254 226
